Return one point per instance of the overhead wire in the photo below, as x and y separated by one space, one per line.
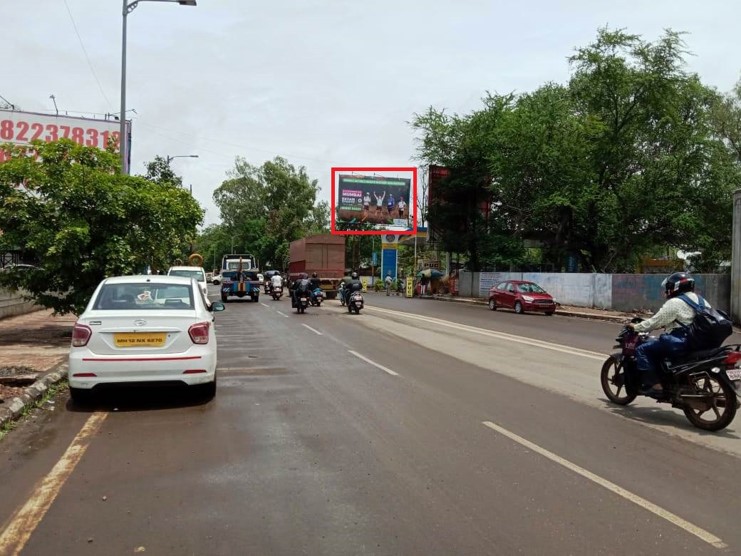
87 57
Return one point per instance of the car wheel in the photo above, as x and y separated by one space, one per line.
549 313
518 308
81 396
492 304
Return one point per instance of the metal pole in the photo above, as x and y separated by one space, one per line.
122 115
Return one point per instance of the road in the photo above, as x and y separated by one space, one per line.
414 428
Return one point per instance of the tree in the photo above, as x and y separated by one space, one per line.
71 210
160 171
269 206
633 153
726 119
659 174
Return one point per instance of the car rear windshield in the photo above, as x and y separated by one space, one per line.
197 274
144 296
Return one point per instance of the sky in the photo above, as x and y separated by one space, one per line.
321 83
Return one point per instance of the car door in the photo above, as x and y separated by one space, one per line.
510 294
500 294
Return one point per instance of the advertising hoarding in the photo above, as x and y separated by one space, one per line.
20 128
374 203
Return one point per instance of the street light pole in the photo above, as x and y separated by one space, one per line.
171 158
122 116
127 9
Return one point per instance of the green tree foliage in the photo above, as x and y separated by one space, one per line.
265 208
726 117
632 153
70 209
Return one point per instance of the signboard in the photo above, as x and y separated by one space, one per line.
389 241
388 263
20 128
410 286
373 199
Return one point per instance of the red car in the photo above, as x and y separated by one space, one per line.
521 296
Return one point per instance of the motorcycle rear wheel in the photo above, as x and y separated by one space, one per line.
614 384
723 404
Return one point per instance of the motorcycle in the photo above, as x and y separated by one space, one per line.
302 302
355 303
276 292
341 294
703 384
317 296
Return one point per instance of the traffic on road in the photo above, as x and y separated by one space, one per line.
412 427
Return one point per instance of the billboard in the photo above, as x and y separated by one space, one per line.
20 128
373 203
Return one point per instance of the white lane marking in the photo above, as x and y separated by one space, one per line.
612 487
282 314
25 520
264 304
314 330
385 369
500 335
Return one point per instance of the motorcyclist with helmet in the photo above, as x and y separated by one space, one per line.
675 315
354 285
300 286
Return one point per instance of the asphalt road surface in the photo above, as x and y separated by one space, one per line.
415 427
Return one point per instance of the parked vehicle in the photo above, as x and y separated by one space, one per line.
703 384
239 284
521 296
276 292
355 303
323 254
195 272
140 329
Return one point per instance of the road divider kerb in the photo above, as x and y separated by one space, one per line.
493 334
15 409
700 533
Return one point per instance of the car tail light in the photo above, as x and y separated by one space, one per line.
199 332
81 335
733 358
84 375
194 371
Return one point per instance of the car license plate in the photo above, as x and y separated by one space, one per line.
139 339
303 299
734 374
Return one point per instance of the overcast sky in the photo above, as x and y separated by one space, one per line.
321 82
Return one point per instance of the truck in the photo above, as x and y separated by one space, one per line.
323 254
232 261
239 277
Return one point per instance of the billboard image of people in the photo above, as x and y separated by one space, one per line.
384 201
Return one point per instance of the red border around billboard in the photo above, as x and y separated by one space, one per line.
336 169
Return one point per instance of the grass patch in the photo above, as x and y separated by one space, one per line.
51 392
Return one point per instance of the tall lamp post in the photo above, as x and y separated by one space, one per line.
129 7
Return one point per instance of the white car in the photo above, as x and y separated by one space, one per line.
195 271
139 329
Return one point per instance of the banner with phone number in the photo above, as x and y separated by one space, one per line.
21 128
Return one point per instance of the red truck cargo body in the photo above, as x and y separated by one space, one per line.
323 254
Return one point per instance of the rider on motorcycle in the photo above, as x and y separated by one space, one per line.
674 315
300 286
354 285
276 281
